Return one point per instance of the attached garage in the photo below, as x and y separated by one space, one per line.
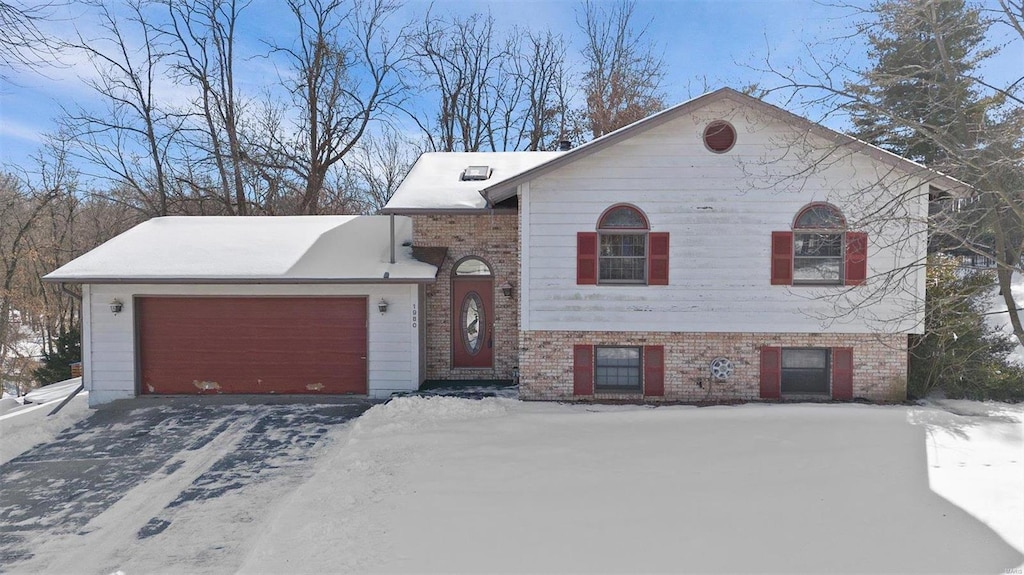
311 305
252 345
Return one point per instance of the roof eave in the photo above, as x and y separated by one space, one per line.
445 211
185 280
507 188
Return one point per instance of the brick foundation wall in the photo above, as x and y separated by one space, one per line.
546 363
493 238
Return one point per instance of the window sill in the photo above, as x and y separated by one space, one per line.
807 396
617 391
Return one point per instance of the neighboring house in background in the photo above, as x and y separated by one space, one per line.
721 249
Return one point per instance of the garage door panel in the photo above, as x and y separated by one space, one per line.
252 345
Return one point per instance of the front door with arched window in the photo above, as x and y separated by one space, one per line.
472 314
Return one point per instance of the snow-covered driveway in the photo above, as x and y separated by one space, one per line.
200 473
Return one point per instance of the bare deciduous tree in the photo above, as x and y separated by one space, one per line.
461 61
22 43
346 75
623 75
129 142
20 211
203 33
493 91
380 163
546 88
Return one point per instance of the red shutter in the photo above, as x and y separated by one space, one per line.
771 372
586 258
856 258
654 370
782 258
583 370
842 373
657 259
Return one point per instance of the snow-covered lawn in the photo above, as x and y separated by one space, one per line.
452 485
25 425
447 485
1000 319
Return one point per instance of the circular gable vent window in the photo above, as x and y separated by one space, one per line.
719 136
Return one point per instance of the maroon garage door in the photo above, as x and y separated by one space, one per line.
251 345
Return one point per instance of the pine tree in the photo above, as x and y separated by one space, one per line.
959 352
67 349
919 98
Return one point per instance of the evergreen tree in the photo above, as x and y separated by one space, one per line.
959 352
919 99
67 349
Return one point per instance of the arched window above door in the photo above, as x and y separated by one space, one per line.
472 267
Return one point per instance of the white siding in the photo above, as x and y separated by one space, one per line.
720 210
109 340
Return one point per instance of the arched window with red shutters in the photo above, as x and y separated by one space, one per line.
819 250
623 250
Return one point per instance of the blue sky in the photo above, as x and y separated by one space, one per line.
703 42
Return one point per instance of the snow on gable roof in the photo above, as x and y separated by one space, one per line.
435 181
286 249
497 191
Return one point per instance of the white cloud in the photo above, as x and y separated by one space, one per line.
12 129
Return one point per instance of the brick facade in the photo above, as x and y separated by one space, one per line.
493 238
545 358
546 363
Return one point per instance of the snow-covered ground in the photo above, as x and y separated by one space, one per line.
439 484
1000 319
23 355
443 485
25 425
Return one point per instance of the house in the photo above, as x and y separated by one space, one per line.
721 249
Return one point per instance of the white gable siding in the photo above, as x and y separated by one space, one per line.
109 340
720 210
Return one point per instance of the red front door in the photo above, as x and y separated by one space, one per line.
472 322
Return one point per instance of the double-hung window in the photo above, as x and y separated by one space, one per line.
622 251
818 241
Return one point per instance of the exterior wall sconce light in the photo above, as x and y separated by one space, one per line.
382 306
506 288
116 306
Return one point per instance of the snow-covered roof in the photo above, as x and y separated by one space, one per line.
435 181
286 249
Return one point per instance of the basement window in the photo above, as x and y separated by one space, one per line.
805 371
475 173
618 370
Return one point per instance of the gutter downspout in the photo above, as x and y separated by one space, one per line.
392 238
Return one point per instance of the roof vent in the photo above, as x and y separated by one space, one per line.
476 173
564 145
